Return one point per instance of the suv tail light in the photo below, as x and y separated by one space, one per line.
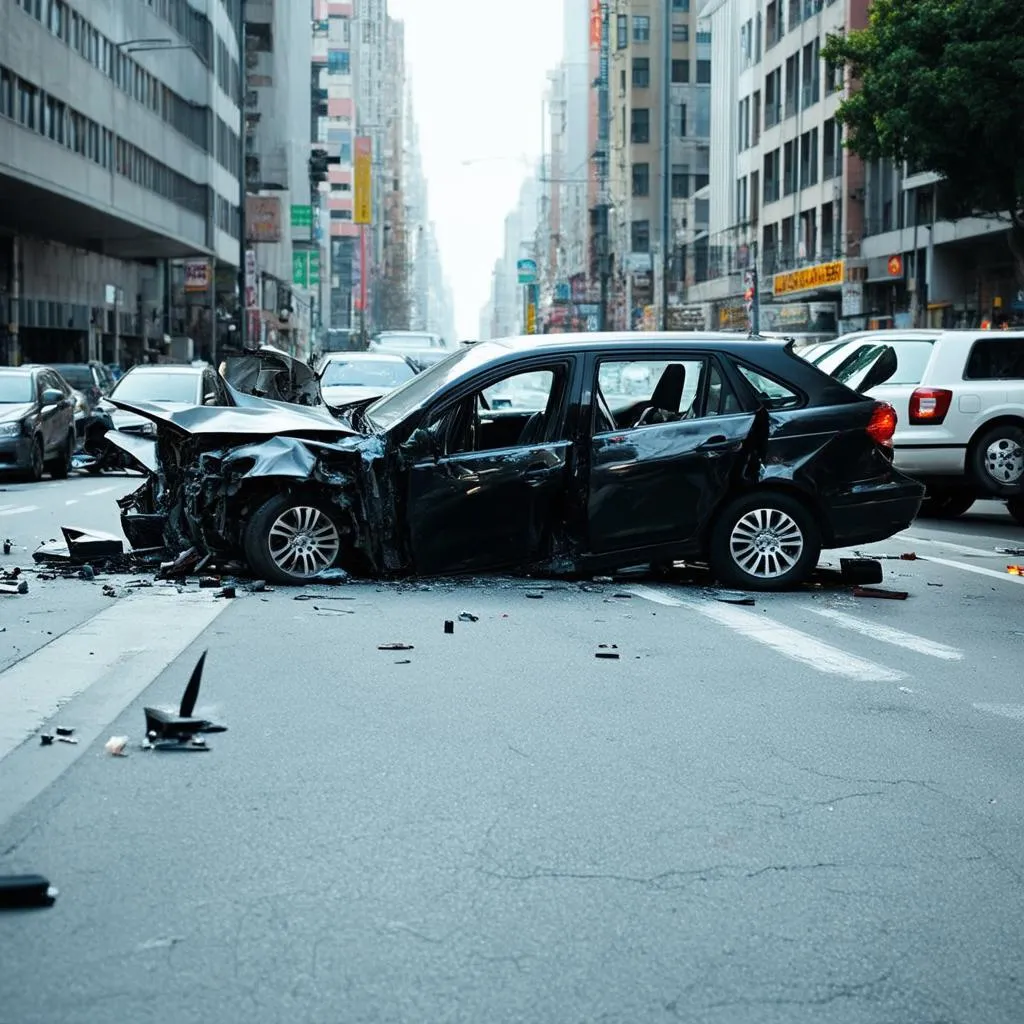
929 405
883 424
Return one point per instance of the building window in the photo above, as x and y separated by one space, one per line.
6 93
680 33
680 72
622 31
641 179
640 236
640 126
338 62
703 72
27 97
680 181
641 72
789 180
681 5
641 28
809 158
680 119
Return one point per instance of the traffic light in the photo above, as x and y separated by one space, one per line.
317 167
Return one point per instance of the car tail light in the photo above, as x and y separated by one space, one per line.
929 405
883 424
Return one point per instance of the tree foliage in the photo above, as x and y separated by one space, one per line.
940 83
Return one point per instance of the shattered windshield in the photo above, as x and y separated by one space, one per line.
157 387
15 388
365 373
394 407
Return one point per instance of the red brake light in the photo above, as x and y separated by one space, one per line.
883 424
929 405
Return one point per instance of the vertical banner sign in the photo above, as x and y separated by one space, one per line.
363 160
314 268
300 269
602 110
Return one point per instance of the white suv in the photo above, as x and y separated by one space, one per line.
959 396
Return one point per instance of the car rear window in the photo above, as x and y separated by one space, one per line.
996 359
911 361
78 376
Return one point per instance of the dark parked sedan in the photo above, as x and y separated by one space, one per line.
534 454
37 422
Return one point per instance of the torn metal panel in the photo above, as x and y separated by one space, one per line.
139 450
271 373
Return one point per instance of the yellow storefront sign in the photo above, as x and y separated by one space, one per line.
363 212
806 279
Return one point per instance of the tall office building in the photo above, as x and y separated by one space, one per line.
119 153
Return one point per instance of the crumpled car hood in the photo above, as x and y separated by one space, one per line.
271 373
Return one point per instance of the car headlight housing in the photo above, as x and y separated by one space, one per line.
10 429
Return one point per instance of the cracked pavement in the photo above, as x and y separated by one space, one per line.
507 829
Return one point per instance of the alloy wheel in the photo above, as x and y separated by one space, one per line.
1004 460
766 543
37 460
303 541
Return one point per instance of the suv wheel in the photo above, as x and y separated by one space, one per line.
60 466
764 540
946 504
34 469
998 459
292 539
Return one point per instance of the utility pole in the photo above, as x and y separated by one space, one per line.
753 293
603 203
243 278
666 159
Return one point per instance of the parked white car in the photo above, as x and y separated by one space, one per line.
959 396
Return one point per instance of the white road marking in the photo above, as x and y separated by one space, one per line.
97 491
35 688
789 642
71 501
888 635
963 549
980 570
1014 711
19 511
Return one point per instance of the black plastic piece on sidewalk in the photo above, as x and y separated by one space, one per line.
25 892
449 626
167 731
7 547
860 572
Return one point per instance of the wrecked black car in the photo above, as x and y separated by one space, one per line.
560 454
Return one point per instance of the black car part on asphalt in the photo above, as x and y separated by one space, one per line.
587 488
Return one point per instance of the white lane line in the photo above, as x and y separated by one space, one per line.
19 511
97 491
1014 711
980 570
71 501
789 642
888 635
962 549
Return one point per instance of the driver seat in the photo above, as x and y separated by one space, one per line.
668 395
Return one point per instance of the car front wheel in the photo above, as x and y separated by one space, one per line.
291 539
60 466
764 540
34 469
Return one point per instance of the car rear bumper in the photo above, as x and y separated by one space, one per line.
873 511
15 452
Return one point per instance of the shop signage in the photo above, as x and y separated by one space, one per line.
197 276
806 279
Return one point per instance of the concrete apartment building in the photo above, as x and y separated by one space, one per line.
659 150
119 153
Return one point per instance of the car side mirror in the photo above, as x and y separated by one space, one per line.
52 396
421 445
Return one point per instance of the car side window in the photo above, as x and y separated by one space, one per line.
633 393
996 359
772 394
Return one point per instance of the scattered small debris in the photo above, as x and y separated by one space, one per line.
25 892
1015 570
228 591
7 546
404 661
168 731
1016 552
609 652
860 571
116 745
909 556
110 591
20 587
395 647
333 576
87 572
63 730
602 579
46 740
258 586
889 595
623 597
209 582
731 597
535 595
449 626
64 736
468 617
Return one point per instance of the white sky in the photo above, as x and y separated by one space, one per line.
478 72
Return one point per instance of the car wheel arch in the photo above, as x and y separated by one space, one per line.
787 487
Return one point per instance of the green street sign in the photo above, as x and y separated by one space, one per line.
300 269
314 268
302 216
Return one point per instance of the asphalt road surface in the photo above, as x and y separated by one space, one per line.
807 810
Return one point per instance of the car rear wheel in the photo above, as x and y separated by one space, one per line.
764 540
34 469
60 466
943 504
998 459
291 539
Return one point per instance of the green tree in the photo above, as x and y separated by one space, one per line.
940 83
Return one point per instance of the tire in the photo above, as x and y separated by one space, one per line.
997 460
263 538
754 518
943 504
60 467
34 470
1015 506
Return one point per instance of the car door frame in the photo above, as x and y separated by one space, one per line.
725 460
53 425
561 473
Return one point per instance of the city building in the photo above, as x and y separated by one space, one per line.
119 154
522 239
